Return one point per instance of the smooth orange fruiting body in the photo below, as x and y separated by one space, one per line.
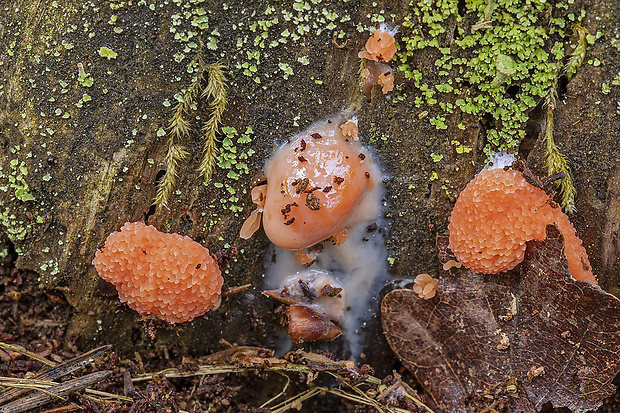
314 185
380 47
166 275
386 81
497 213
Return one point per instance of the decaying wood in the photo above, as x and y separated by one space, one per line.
96 168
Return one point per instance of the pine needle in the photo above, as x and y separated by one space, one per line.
23 351
215 92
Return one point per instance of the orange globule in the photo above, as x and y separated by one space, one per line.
315 182
380 47
166 275
497 213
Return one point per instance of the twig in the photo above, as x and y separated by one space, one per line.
307 363
110 396
59 371
335 41
59 391
23 351
236 289
68 408
296 400
274 398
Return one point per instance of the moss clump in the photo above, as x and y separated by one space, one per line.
215 92
495 58
555 161
187 102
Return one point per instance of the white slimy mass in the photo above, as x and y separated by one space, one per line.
359 264
308 287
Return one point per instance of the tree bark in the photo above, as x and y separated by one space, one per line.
91 155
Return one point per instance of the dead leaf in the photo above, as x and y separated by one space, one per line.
473 345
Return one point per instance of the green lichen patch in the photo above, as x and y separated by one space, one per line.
107 53
248 43
496 59
233 157
18 202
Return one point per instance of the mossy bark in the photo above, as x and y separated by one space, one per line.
92 154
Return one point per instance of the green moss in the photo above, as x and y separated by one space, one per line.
496 45
214 92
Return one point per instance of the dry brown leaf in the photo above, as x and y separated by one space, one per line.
520 339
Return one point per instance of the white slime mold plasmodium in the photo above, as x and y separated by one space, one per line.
317 184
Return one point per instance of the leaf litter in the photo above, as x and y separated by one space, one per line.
512 341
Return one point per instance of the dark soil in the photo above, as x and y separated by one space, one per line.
37 319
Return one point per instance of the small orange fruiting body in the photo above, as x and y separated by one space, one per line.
380 47
497 213
350 129
377 73
252 223
166 275
315 183
425 286
386 81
